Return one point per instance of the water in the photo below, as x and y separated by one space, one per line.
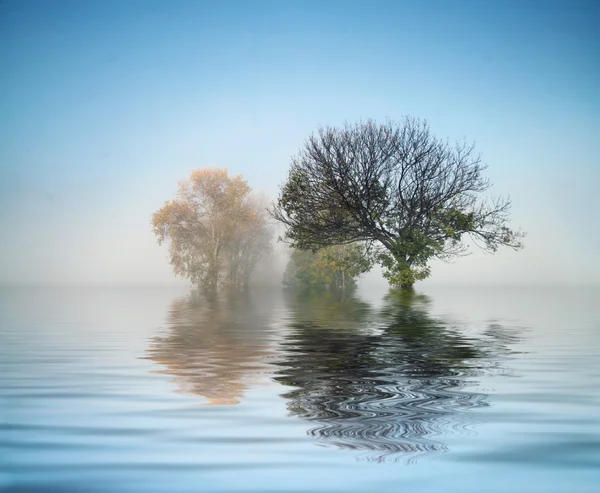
151 389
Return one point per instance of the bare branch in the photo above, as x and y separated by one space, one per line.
394 184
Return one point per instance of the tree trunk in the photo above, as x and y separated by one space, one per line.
408 280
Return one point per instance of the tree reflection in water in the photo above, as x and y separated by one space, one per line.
388 381
385 381
216 346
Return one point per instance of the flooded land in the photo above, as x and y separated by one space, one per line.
149 389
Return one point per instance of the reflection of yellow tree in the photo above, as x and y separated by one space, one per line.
216 346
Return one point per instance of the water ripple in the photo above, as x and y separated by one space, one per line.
395 393
390 381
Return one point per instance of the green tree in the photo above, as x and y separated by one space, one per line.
337 266
410 195
216 229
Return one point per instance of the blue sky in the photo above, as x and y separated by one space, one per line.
105 105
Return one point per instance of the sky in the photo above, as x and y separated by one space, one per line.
105 105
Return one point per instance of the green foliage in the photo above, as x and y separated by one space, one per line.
399 189
405 262
400 273
337 266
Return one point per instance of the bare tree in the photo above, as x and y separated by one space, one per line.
396 186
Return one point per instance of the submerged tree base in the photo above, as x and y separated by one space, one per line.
396 188
216 228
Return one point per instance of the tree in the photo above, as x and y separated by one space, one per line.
396 187
336 266
216 228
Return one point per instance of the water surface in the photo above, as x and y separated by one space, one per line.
155 389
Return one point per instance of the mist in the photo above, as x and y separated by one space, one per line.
140 139
97 140
103 236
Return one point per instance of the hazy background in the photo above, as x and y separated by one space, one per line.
104 106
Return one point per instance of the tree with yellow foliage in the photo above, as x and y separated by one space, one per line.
216 228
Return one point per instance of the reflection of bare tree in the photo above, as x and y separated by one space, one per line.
387 381
396 387
215 346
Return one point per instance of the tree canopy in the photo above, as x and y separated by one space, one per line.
337 266
216 228
396 187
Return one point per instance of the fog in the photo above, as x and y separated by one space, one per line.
70 240
100 121
118 376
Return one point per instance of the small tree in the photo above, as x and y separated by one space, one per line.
396 187
216 229
336 266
